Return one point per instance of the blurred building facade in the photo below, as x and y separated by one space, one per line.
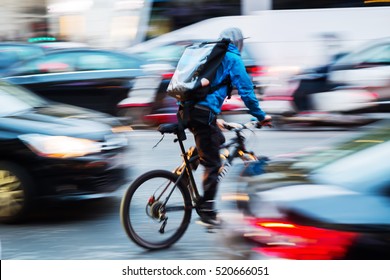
22 19
122 23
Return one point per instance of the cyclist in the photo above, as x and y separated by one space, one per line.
201 120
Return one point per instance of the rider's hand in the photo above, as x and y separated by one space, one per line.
266 122
221 124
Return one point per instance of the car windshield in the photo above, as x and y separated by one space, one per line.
361 164
10 54
75 60
14 100
373 54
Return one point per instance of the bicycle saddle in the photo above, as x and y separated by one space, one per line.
168 128
172 128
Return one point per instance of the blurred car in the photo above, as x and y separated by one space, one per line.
148 103
310 81
295 95
14 52
359 81
310 98
367 67
51 150
89 78
60 45
329 204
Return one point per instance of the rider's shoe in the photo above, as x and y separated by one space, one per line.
209 220
208 216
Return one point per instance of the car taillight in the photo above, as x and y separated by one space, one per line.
372 95
167 76
255 70
291 241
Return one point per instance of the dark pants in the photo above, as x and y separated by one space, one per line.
208 138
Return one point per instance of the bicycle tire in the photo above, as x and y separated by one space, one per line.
132 228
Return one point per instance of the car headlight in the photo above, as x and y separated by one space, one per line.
60 146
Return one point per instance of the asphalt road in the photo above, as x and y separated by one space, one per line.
91 229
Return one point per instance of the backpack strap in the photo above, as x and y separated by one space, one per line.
225 82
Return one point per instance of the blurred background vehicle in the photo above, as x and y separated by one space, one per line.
59 45
312 80
348 90
367 67
148 104
53 150
332 203
89 78
14 52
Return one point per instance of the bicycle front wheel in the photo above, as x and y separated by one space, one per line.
155 211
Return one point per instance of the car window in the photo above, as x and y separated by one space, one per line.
105 61
360 164
51 63
379 54
10 54
363 171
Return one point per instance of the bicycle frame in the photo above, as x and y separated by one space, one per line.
186 165
165 183
239 151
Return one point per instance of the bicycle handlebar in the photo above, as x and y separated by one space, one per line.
237 127
232 126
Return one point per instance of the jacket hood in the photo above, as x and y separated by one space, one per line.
235 36
233 49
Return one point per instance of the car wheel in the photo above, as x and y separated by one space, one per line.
15 192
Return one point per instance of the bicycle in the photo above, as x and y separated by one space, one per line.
163 194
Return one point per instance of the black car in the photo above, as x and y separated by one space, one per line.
15 52
51 150
331 204
89 78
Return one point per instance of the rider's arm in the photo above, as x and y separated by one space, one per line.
241 80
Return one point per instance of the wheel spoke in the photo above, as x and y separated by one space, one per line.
168 210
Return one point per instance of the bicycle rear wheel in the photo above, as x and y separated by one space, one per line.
147 220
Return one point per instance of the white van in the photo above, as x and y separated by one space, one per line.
287 39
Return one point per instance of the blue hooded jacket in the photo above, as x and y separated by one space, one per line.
233 65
